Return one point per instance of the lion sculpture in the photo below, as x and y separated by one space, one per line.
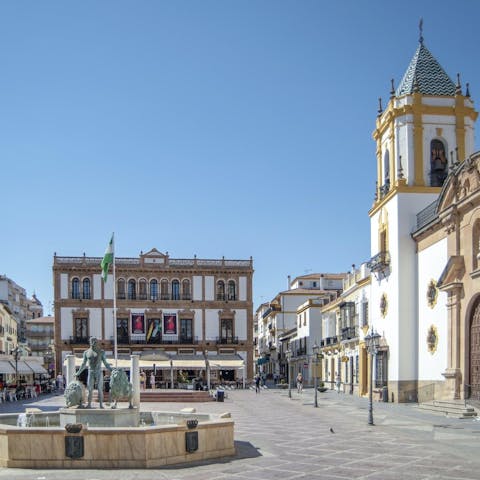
74 394
120 387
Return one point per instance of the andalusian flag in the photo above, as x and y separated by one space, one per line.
107 260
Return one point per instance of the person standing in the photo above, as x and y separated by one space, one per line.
338 382
152 381
299 382
257 383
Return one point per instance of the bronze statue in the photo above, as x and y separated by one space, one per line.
93 358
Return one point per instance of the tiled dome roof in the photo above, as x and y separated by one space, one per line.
425 75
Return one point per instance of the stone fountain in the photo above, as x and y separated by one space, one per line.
86 438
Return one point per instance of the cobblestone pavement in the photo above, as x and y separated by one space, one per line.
281 438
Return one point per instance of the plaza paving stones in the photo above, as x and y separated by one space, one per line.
279 438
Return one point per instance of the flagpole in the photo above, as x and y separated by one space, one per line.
114 308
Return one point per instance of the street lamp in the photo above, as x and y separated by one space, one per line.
16 353
372 341
315 349
288 356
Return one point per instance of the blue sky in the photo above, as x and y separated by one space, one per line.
214 128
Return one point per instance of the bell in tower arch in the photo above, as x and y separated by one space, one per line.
438 163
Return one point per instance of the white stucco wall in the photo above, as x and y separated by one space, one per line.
430 265
209 288
108 323
400 326
66 323
97 287
211 324
197 287
198 327
63 285
95 322
241 324
242 289
108 288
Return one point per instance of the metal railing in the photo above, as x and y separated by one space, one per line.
349 333
78 340
226 340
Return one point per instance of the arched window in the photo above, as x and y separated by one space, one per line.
186 290
153 290
438 163
175 290
132 290
220 290
121 289
86 289
232 294
385 187
142 289
76 288
476 245
164 289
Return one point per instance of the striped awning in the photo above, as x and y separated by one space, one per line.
21 367
158 364
36 367
189 364
226 364
6 367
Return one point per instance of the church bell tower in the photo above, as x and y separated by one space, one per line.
426 128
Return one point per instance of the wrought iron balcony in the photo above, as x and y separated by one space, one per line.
349 333
226 340
78 340
379 262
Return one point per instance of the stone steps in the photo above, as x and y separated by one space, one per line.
167 396
450 408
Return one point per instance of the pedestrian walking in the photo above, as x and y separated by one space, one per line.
257 383
338 382
299 382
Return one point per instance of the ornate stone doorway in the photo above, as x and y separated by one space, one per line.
473 390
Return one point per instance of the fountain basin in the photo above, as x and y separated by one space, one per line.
46 444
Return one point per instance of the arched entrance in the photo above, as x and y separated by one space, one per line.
474 337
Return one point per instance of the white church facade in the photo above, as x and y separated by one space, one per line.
425 229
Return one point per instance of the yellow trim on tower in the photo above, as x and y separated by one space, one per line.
418 140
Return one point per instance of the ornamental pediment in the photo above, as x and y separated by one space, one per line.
154 256
462 183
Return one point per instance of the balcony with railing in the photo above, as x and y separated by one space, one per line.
349 333
182 340
300 351
325 342
379 262
427 215
226 340
75 340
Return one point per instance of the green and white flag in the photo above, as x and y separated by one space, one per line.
107 260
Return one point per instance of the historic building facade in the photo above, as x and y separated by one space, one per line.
423 137
187 311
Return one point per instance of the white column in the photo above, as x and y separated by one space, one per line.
70 372
135 379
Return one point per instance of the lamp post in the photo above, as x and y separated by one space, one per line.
288 356
372 340
315 349
16 353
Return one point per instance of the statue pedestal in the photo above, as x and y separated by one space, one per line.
100 417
